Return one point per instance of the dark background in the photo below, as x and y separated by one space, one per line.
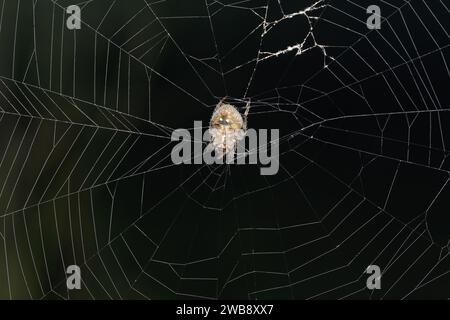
85 170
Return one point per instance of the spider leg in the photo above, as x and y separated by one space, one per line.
247 109
223 100
220 103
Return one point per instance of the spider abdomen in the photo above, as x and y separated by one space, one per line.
227 127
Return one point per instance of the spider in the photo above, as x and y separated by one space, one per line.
226 127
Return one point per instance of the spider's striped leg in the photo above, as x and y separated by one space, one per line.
247 109
223 100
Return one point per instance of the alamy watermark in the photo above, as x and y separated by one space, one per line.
251 147
374 20
374 281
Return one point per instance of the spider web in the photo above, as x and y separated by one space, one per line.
85 170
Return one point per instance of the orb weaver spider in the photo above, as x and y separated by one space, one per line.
226 128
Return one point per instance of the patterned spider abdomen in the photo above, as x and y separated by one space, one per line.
226 128
226 116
